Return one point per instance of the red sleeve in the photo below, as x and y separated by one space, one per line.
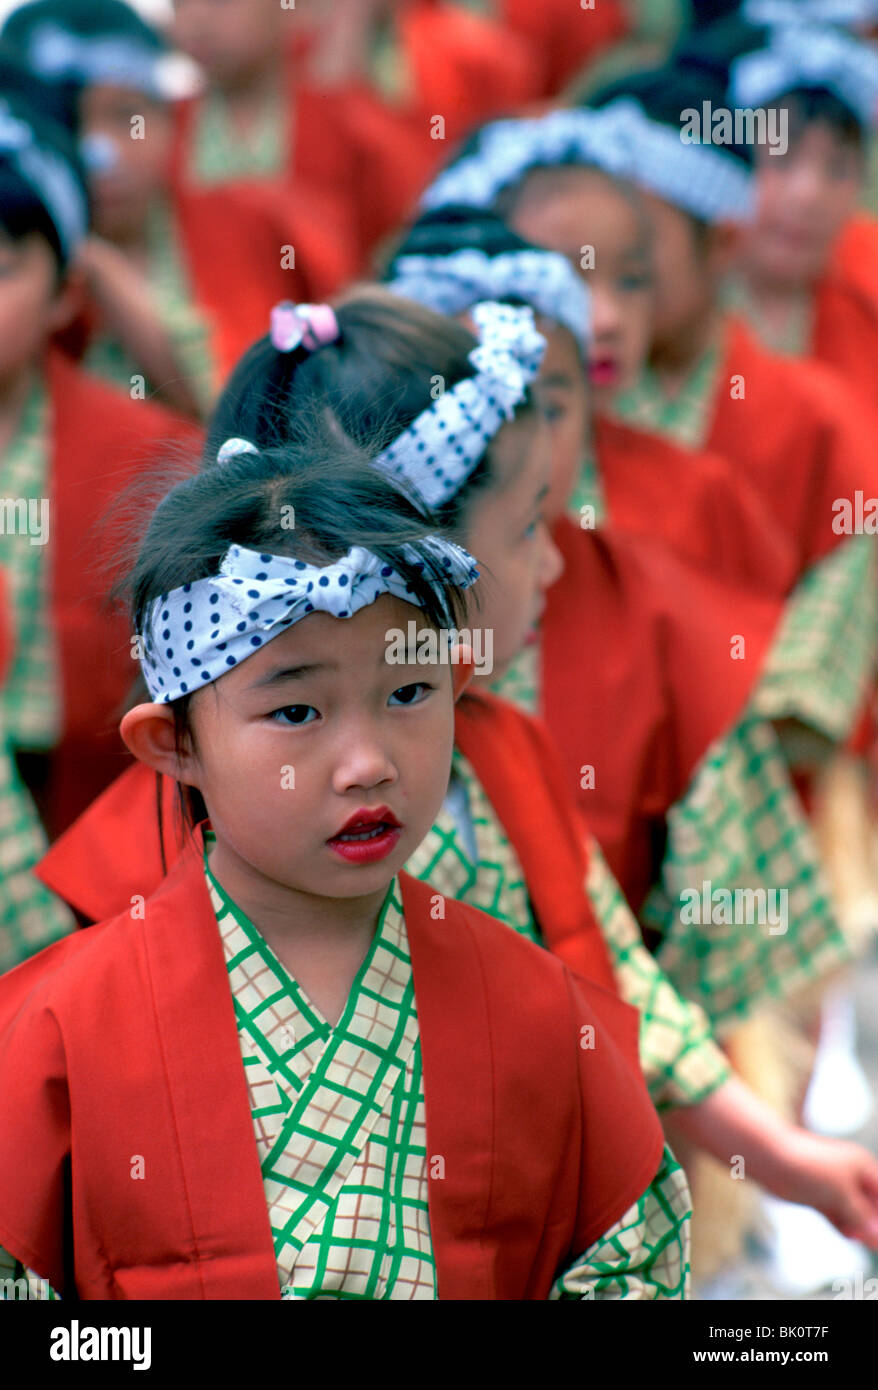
34 1142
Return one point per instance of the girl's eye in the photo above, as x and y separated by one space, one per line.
530 531
410 694
553 412
641 281
295 714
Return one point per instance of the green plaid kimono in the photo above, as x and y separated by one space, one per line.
219 152
184 323
339 1122
30 916
740 825
681 1063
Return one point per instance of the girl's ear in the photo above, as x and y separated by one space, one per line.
148 732
462 667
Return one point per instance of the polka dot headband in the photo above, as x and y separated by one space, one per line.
622 140
197 633
806 56
543 279
439 450
48 175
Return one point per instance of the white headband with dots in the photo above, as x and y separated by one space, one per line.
199 632
543 279
439 450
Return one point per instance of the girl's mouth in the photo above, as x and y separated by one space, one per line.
604 371
369 835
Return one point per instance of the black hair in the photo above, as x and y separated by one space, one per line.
369 385
442 231
85 18
338 500
816 106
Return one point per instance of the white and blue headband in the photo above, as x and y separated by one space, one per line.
435 455
59 55
622 140
49 176
809 56
846 13
199 632
543 279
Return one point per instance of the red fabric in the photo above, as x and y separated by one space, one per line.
638 679
101 441
517 766
846 333
800 436
122 1042
855 255
5 628
113 851
563 35
694 501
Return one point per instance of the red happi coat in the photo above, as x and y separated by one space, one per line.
115 851
801 437
695 502
121 1040
564 37
637 679
101 441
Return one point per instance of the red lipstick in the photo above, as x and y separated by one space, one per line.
604 371
367 836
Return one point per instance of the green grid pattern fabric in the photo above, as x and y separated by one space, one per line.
741 826
187 327
495 882
588 491
520 682
646 1254
685 417
338 1115
681 1062
825 653
219 152
30 710
791 339
18 1284
31 917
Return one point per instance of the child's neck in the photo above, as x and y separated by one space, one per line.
246 93
14 392
779 303
672 360
321 941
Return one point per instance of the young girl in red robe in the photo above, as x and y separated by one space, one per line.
378 349
425 1125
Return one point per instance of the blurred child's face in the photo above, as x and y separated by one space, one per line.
312 729
561 394
31 305
135 131
688 267
507 534
230 38
600 228
804 198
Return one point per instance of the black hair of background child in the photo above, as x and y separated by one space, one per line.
369 385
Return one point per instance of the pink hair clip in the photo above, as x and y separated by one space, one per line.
287 329
311 324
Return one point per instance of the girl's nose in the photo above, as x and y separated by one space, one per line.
363 762
552 566
605 316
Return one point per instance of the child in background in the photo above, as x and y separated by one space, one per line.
507 838
170 299
424 1126
610 472
818 89
68 445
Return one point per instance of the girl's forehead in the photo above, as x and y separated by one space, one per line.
566 209
335 645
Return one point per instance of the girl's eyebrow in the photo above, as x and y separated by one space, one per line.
556 379
291 673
